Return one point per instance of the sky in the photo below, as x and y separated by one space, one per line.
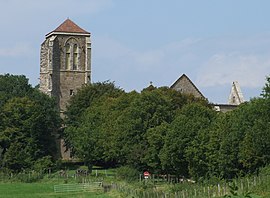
135 42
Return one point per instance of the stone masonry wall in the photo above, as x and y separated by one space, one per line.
59 81
184 86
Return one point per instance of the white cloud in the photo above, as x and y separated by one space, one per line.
209 62
134 69
18 50
248 69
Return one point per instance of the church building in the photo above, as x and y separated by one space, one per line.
184 85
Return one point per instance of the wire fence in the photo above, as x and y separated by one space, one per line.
94 186
149 188
62 175
244 185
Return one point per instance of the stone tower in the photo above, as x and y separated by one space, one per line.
65 66
65 62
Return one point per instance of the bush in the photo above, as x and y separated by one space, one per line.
43 164
127 173
29 177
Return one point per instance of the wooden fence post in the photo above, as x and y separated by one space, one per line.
219 194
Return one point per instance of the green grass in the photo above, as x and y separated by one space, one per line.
19 186
41 190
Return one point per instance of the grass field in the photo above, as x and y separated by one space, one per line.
31 185
41 190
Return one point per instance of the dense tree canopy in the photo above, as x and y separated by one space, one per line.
116 129
29 121
88 95
158 129
164 131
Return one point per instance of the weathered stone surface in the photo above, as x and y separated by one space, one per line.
65 65
236 97
186 86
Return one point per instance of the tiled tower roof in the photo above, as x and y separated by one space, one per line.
68 26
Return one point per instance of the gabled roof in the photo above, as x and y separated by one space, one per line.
68 26
186 90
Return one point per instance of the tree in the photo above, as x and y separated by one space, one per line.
25 134
13 86
176 154
86 96
116 129
266 88
29 123
151 108
155 138
254 148
85 118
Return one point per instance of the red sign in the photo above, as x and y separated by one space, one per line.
146 174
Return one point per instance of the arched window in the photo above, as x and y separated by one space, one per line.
68 56
75 56
72 54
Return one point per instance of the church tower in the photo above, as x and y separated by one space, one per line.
65 62
65 66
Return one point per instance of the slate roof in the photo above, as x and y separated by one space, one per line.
68 26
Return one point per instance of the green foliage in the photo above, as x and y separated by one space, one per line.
86 96
164 131
181 137
266 88
13 86
29 120
83 118
155 138
255 147
43 163
119 129
127 173
44 189
234 193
